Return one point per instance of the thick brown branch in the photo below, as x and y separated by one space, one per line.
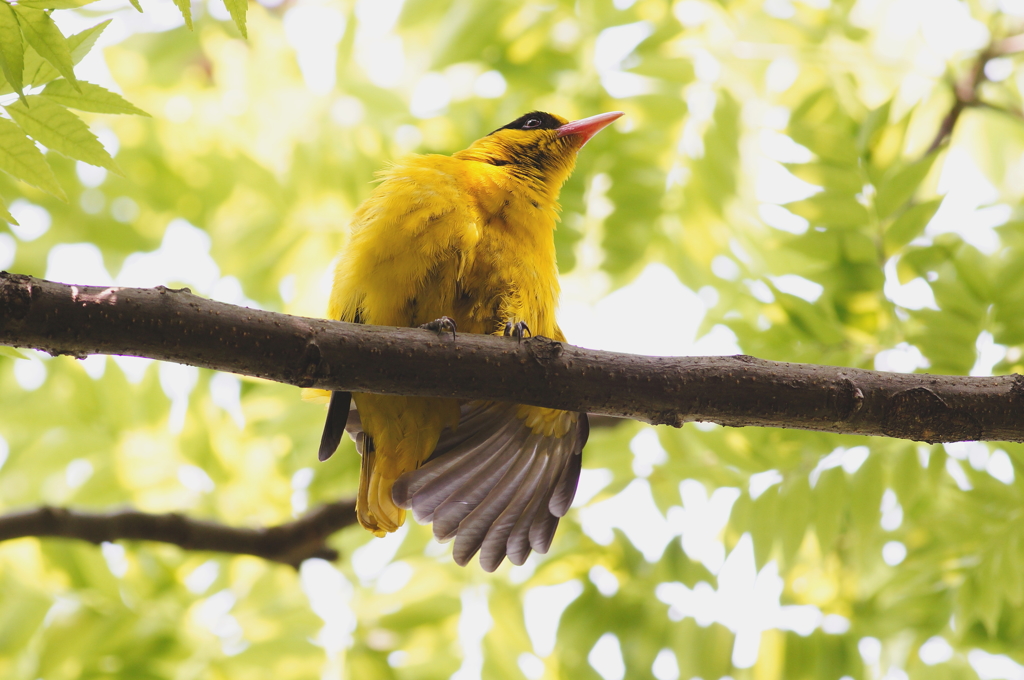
738 391
289 543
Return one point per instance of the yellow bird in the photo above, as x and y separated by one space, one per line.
464 241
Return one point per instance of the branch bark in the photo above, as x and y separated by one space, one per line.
172 325
289 543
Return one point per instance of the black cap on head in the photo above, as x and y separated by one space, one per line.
535 120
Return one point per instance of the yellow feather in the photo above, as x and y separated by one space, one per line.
315 396
468 236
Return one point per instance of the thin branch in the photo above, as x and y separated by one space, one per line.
289 543
738 391
965 93
1016 114
1010 45
965 90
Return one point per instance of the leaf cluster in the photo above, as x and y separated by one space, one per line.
248 178
37 64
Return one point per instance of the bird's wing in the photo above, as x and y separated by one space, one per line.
407 248
419 219
409 243
496 485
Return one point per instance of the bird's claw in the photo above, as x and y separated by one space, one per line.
517 330
441 325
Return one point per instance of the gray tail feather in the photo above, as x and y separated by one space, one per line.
495 544
435 481
472 530
494 486
537 514
565 489
476 420
466 489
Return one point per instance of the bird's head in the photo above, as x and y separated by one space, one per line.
538 147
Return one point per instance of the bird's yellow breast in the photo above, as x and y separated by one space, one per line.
468 237
443 236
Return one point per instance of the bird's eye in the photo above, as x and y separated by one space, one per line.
532 123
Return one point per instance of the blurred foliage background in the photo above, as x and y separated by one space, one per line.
770 190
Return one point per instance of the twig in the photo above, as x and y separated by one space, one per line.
1005 46
289 543
965 93
965 90
1005 110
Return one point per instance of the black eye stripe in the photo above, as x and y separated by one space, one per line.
539 120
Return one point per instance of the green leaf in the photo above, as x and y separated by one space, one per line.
673 69
57 128
5 214
831 209
919 261
464 31
866 489
908 475
910 224
46 39
764 526
237 10
873 123
20 157
794 515
859 247
23 612
899 187
1012 575
830 145
811 319
946 339
185 7
38 71
11 353
81 43
55 4
886 149
91 98
136 5
987 601
12 49
836 178
975 273
830 496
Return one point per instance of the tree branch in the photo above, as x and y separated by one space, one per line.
738 391
965 93
1011 45
289 543
965 90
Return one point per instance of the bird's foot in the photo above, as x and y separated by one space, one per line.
517 330
442 325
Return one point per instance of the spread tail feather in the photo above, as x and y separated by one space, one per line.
494 485
477 457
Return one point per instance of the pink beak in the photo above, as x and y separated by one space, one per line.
585 128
